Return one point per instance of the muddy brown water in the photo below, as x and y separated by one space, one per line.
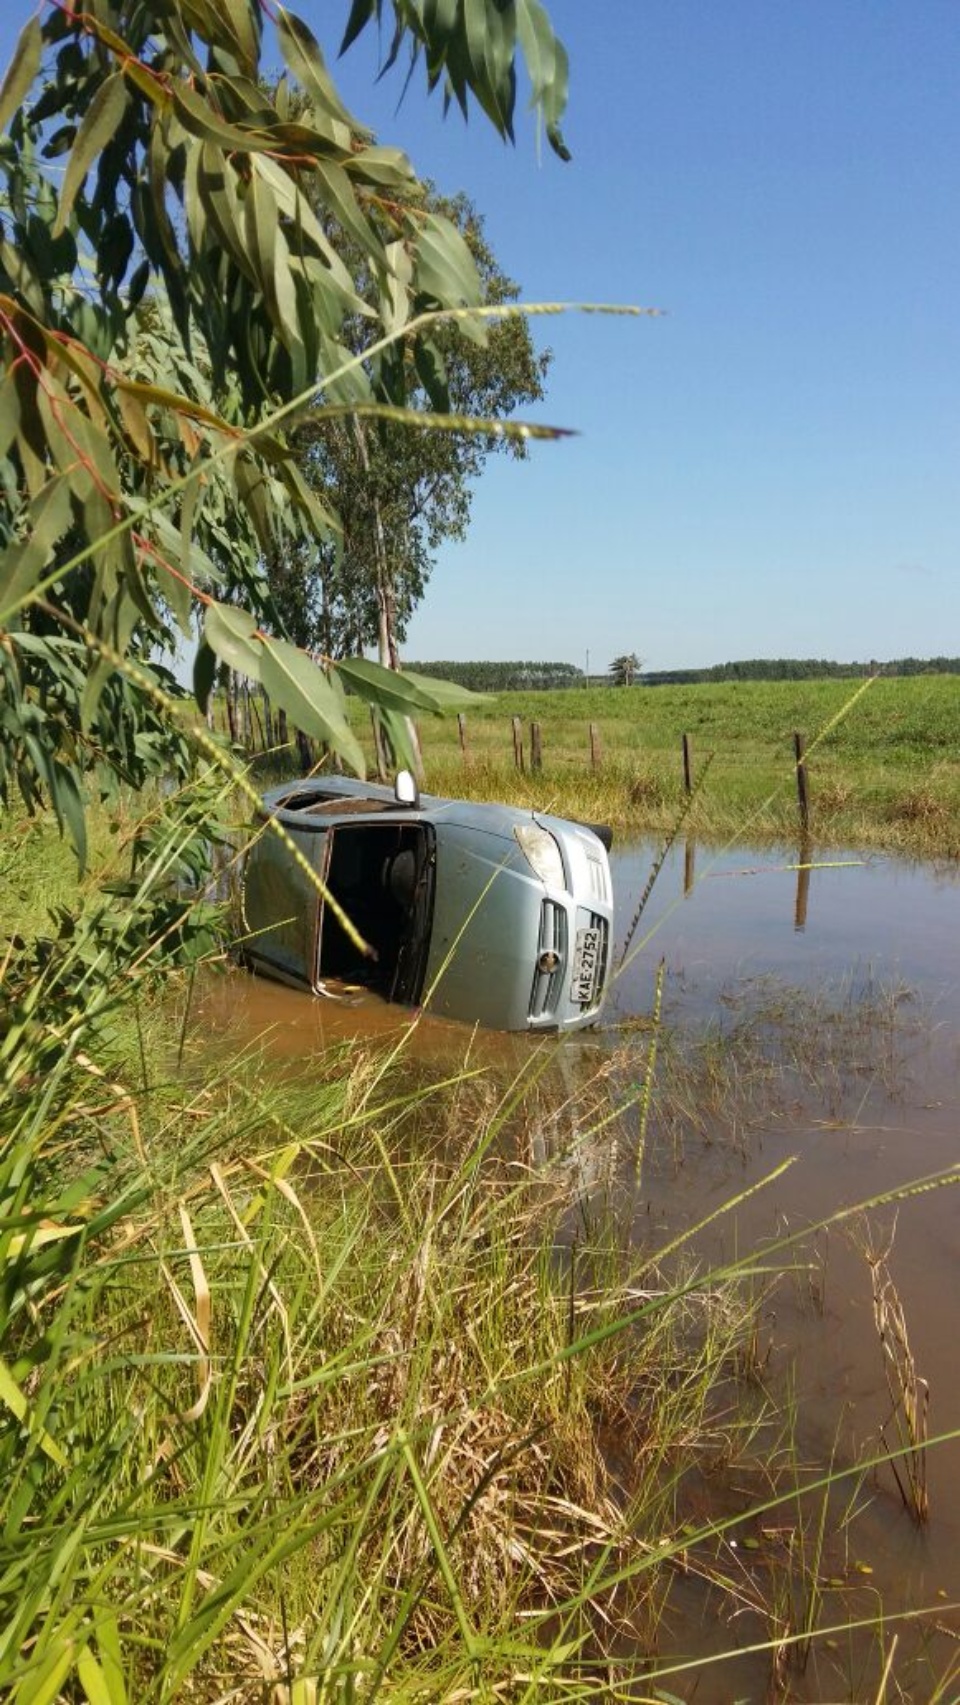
821 1011
844 984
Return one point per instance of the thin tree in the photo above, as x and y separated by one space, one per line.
401 494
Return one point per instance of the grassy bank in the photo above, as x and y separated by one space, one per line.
883 760
299 1396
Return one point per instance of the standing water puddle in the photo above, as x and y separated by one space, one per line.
826 1008
810 1016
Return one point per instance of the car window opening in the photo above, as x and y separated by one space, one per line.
320 805
382 877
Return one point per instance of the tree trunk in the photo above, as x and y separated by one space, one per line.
232 707
387 647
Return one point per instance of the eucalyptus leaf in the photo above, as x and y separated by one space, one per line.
361 11
262 226
9 410
339 195
231 634
432 373
204 675
66 798
399 732
447 695
446 273
100 122
22 564
300 688
396 310
303 56
388 167
387 688
201 119
22 71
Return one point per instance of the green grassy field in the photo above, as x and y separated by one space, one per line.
883 758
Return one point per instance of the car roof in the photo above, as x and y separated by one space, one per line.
349 797
334 796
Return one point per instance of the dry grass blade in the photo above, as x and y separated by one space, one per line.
646 1092
289 1194
909 1393
124 1103
887 1672
197 1322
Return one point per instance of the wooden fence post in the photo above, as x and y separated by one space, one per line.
596 752
517 743
462 730
687 765
267 722
536 749
803 791
305 749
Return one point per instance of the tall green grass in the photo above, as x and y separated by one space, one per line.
296 1394
353 1388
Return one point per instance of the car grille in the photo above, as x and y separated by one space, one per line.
548 985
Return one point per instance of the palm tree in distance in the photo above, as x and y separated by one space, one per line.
624 670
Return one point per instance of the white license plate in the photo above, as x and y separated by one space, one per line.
586 966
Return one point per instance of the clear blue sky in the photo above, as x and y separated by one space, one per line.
772 468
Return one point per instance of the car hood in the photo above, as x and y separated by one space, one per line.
486 920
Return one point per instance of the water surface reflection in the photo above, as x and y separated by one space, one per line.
824 1005
749 912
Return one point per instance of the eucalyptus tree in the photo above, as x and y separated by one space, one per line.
401 493
172 304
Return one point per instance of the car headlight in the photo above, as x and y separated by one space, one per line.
541 853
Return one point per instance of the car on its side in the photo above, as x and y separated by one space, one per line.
484 913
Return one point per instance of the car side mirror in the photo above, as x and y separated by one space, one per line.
405 789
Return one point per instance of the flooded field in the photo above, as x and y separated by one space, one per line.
828 1006
810 1038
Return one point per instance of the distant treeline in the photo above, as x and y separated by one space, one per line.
504 677
534 677
799 669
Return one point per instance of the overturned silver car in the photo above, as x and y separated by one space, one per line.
484 913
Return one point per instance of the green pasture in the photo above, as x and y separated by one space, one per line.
883 757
